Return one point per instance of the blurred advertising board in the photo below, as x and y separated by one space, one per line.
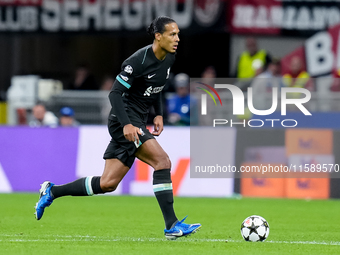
105 16
309 150
176 143
292 18
29 156
300 169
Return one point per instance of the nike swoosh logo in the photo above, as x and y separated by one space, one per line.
151 75
43 194
180 233
44 188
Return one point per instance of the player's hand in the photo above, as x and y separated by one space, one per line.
131 133
158 125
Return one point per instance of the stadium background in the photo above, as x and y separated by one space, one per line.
49 38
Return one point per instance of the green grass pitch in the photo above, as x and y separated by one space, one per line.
134 225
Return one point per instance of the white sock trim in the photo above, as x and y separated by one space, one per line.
88 185
162 187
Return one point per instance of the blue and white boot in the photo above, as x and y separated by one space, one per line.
181 229
45 199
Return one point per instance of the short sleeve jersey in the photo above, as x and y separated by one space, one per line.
144 76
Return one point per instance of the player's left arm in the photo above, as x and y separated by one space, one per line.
158 120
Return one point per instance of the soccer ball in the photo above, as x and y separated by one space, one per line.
255 229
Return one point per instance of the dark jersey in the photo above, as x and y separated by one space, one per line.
141 80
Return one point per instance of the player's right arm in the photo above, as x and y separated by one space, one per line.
130 132
122 84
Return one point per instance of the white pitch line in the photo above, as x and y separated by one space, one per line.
79 238
305 242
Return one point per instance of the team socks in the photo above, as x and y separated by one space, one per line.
162 188
82 187
90 185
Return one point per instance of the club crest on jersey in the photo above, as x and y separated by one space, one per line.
168 73
128 69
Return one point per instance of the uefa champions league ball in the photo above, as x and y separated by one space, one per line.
255 229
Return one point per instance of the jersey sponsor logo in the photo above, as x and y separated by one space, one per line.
128 69
158 89
151 75
168 73
154 90
148 91
124 77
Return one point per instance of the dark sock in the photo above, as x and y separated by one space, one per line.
82 187
162 188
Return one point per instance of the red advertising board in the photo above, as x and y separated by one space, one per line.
294 17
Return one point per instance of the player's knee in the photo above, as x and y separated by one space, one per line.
109 185
163 162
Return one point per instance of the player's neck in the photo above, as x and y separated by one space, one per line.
158 51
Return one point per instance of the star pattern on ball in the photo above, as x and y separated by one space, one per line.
255 229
